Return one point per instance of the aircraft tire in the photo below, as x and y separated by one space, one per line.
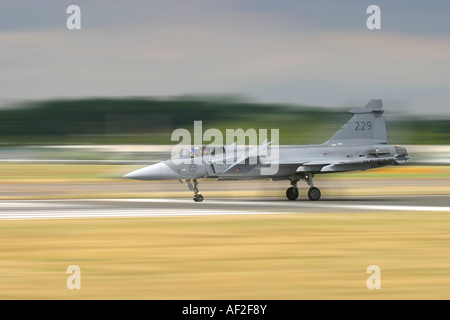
292 193
314 194
198 198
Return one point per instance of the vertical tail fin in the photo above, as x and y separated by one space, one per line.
366 126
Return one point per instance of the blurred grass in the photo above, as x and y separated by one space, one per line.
152 120
10 172
89 181
399 172
316 256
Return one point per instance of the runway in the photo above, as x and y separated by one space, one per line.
154 208
239 248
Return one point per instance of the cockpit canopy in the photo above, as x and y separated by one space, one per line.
190 152
194 152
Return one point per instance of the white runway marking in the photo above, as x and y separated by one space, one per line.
122 214
392 207
34 204
296 204
105 208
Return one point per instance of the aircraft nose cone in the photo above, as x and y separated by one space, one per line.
159 171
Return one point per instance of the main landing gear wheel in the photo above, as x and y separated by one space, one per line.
314 194
198 198
292 193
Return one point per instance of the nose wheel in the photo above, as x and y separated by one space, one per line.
198 198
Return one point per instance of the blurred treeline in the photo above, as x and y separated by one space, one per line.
152 120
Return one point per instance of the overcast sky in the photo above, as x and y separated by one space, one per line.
300 52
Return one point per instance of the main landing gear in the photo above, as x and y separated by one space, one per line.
292 192
313 192
192 184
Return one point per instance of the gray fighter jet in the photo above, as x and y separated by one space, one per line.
360 144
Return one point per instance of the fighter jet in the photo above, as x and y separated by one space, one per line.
360 144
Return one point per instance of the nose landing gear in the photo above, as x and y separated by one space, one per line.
192 184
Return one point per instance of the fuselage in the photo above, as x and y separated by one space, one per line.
292 160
